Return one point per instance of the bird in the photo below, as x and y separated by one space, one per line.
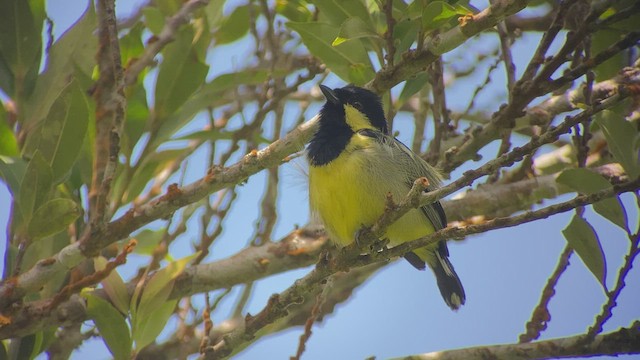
354 163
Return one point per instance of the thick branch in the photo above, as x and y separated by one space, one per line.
505 199
298 249
622 341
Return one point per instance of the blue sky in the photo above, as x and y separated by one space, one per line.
399 310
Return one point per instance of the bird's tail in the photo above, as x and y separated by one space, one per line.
448 281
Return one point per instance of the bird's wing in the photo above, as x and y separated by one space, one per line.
415 168
420 168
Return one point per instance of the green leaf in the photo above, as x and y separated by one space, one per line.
153 310
338 11
8 143
3 351
152 165
148 240
21 42
154 19
74 51
112 326
438 13
131 46
168 7
588 182
582 180
156 289
213 12
29 346
584 240
414 10
342 58
355 28
137 117
180 74
114 286
148 330
623 140
613 210
235 26
601 40
359 74
36 185
61 135
52 217
405 34
411 87
294 10
208 96
12 172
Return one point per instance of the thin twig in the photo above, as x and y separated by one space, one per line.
613 294
166 36
315 312
540 316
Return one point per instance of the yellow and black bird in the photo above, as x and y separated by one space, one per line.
354 163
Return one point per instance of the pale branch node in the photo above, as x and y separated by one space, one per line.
620 342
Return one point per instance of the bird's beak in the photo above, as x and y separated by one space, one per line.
329 94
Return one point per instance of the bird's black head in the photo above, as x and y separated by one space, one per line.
346 111
357 107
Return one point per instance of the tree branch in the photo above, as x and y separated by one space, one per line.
111 105
622 341
417 61
166 36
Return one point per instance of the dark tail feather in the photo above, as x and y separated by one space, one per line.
448 281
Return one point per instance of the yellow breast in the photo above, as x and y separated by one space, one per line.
338 195
350 192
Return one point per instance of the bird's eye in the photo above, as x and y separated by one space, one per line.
357 105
